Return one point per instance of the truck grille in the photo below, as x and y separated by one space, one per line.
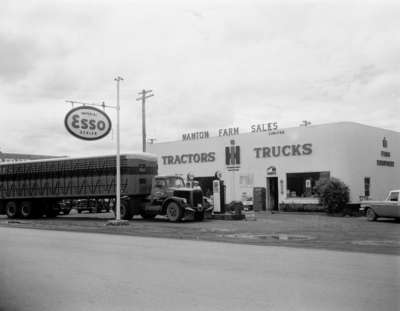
197 197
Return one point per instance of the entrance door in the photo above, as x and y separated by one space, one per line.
272 193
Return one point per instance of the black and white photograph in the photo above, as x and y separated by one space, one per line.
199 155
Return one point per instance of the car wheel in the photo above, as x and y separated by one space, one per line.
174 212
371 215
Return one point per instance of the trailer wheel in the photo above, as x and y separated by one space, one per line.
26 209
126 211
174 212
12 209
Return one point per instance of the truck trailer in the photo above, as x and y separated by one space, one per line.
36 188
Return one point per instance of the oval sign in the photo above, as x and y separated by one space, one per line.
87 123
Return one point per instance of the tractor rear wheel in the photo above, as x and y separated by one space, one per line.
126 211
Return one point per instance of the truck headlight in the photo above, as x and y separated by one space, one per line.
184 201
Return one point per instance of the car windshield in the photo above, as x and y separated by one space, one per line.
175 182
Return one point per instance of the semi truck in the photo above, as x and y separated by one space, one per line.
36 188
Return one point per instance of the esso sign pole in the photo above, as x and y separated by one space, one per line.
118 183
90 123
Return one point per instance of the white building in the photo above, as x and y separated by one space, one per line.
288 162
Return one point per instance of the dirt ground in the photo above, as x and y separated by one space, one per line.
286 229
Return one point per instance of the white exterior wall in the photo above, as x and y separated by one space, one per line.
349 151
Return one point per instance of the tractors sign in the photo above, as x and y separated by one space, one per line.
87 123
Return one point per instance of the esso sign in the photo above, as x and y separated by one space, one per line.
87 123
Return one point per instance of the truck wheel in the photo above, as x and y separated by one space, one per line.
26 209
199 216
126 212
174 212
12 209
371 215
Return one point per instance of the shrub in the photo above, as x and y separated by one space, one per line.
333 194
234 207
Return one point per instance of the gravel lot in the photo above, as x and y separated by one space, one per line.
286 229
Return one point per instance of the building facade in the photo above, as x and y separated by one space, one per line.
289 162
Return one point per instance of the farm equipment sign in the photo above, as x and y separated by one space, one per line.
87 123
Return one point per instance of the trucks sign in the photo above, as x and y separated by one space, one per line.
87 123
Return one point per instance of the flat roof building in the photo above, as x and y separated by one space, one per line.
289 162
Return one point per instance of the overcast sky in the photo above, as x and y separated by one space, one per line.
211 64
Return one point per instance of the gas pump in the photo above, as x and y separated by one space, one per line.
308 187
218 193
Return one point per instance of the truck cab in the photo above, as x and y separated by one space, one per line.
169 196
163 187
387 208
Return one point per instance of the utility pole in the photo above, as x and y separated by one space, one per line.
144 95
118 182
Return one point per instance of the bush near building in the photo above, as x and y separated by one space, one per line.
333 194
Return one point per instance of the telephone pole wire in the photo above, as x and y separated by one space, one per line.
144 95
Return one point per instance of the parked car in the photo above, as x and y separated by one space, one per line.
387 208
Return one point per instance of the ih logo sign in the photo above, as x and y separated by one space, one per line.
232 157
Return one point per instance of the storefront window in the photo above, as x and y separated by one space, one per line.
367 183
302 185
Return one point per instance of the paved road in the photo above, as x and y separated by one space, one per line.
303 230
54 270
